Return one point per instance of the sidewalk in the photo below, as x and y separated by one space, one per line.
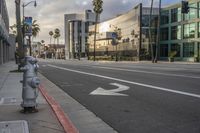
10 99
46 120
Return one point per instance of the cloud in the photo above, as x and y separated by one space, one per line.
50 13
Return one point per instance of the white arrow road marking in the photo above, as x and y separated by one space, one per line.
113 92
130 82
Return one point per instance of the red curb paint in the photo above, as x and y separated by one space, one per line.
61 116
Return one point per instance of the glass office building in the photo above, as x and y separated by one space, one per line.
180 32
132 29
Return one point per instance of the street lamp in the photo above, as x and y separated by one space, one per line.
24 5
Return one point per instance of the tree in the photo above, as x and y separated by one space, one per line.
150 38
55 37
57 34
42 41
98 9
51 34
35 28
158 32
19 33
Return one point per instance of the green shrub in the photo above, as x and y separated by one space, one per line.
172 54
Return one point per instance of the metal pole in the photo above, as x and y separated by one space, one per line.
29 38
95 34
23 27
198 52
116 54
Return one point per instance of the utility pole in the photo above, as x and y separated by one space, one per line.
19 32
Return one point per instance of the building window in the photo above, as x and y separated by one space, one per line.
164 17
189 30
199 29
164 34
176 32
164 50
87 15
199 10
188 50
192 13
175 15
86 27
177 48
145 33
145 20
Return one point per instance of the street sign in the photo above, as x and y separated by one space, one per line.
28 26
113 92
114 35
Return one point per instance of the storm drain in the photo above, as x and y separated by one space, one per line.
7 100
20 126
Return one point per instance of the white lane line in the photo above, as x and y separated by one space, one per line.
129 82
156 73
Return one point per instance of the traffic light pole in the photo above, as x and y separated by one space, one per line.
185 8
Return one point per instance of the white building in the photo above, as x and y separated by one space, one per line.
76 33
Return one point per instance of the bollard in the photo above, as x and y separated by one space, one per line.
30 85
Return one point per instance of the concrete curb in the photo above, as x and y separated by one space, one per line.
61 116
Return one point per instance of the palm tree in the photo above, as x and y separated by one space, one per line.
98 9
55 37
35 28
150 38
51 34
158 32
19 33
57 34
42 41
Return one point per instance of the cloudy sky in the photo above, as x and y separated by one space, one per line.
50 13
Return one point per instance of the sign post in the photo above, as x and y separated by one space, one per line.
28 30
114 43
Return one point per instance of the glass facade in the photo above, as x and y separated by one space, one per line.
199 29
183 31
188 50
164 34
175 15
176 47
164 17
164 50
189 30
192 13
175 32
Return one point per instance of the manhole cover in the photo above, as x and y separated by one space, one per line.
20 126
7 100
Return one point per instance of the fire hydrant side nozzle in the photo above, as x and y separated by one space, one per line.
30 84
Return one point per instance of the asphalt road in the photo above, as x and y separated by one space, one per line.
133 97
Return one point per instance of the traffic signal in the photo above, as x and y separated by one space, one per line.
184 7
